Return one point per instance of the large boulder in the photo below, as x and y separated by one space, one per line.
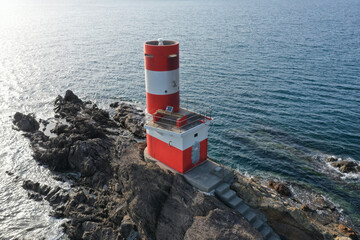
71 97
26 123
279 187
348 232
346 166
331 159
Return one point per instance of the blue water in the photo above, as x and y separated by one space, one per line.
282 78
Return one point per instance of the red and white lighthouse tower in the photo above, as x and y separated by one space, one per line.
176 136
162 75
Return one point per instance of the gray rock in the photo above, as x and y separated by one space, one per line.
130 118
71 97
114 105
346 166
26 123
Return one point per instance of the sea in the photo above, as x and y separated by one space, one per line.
281 77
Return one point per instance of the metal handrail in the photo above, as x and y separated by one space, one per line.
151 116
198 109
173 123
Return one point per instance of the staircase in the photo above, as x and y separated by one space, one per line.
230 198
210 176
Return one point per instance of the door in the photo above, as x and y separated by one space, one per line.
195 153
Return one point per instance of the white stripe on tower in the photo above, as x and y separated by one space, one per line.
162 75
162 82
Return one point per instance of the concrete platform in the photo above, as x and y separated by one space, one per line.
208 176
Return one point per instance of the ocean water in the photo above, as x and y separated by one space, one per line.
282 78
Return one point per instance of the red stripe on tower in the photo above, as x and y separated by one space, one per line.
162 75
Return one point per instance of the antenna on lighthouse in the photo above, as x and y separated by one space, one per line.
161 42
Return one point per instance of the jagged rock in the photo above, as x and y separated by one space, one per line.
55 158
59 197
30 185
114 105
81 157
35 196
127 226
346 166
343 238
281 188
53 196
36 187
26 123
331 159
348 232
306 208
321 204
220 224
52 192
130 118
60 128
9 173
71 97
288 216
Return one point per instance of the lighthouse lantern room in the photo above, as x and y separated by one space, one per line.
177 137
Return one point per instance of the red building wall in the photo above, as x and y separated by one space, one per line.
172 156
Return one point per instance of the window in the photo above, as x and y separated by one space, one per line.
196 134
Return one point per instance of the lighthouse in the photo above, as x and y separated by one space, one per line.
176 136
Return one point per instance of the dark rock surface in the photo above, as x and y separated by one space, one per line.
26 123
220 224
114 105
305 216
130 118
279 187
346 166
119 195
348 232
331 159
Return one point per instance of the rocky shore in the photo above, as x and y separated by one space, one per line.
117 195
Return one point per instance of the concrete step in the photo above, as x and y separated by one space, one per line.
224 173
250 216
258 223
266 231
215 185
243 208
227 196
235 202
222 188
273 236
